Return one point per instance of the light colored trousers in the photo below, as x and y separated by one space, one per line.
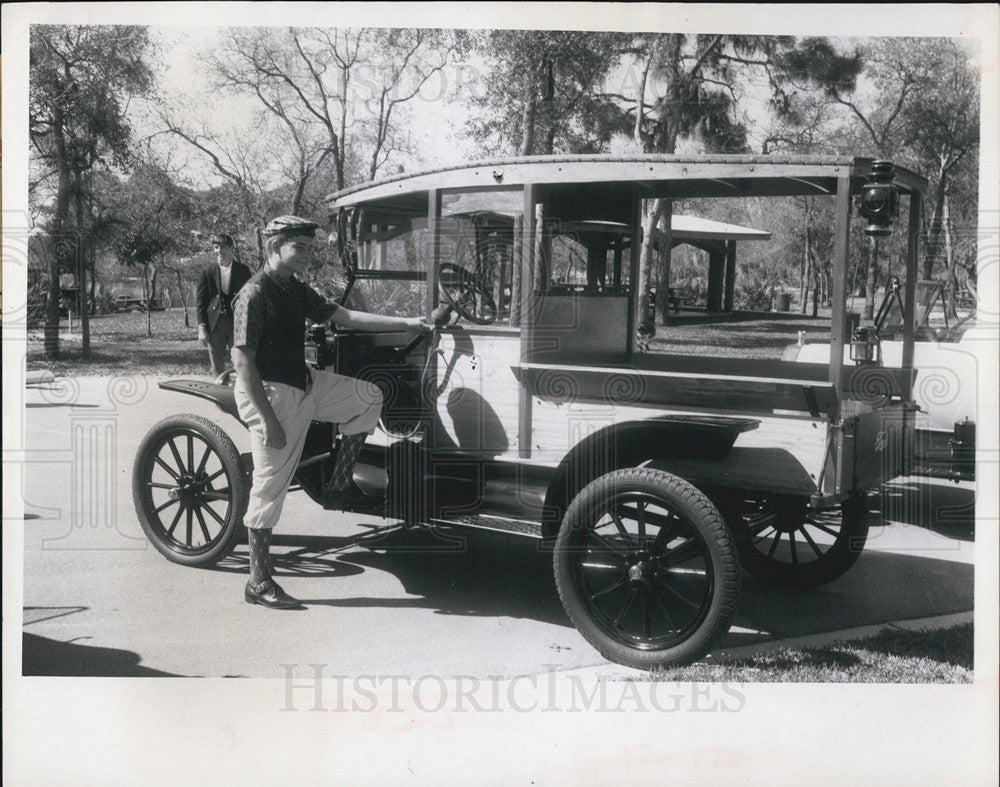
355 405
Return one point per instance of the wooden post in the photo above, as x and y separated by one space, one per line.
716 267
727 303
618 243
637 302
434 226
910 289
530 229
841 239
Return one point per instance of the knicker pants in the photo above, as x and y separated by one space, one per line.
353 404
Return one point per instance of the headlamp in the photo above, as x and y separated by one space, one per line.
879 201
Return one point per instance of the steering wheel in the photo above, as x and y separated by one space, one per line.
439 318
466 294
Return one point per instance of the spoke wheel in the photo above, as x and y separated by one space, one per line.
646 568
190 490
466 295
783 541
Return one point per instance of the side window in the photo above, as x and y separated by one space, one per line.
392 241
479 233
592 256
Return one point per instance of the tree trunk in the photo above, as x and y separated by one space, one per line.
146 298
180 288
663 260
646 260
515 279
81 265
934 228
56 235
817 274
528 114
93 278
949 258
548 100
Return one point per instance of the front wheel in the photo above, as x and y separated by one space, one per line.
190 490
646 568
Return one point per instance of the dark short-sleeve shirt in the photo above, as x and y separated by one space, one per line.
269 320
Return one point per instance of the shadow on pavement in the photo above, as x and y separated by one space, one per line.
475 573
480 573
43 656
880 587
946 509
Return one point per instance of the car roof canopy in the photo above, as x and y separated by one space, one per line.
661 175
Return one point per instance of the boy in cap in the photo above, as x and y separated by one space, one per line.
217 288
278 395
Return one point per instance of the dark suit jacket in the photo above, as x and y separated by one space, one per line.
210 298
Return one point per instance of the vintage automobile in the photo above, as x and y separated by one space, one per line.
651 476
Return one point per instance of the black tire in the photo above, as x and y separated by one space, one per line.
680 563
178 468
783 542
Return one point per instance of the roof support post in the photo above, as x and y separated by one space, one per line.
841 238
716 268
727 303
910 290
637 301
434 225
527 317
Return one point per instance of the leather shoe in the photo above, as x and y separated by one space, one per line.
270 595
351 499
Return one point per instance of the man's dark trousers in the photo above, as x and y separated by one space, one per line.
215 310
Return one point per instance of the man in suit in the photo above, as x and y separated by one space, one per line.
217 287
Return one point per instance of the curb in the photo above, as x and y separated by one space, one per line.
828 637
609 671
40 377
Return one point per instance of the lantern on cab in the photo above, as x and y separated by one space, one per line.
879 200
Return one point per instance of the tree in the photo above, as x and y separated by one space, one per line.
338 93
695 83
942 131
921 110
81 80
543 91
156 221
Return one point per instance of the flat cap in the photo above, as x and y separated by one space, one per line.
290 225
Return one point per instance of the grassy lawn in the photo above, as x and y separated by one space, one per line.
119 344
737 335
891 656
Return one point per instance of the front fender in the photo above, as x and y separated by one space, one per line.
222 396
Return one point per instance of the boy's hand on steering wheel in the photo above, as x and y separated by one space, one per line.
419 324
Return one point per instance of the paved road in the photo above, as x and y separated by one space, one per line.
98 599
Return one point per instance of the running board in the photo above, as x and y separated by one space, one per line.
498 524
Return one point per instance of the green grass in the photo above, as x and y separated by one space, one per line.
119 344
891 656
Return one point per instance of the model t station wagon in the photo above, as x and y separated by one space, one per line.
531 409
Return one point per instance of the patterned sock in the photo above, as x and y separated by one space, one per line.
347 457
259 540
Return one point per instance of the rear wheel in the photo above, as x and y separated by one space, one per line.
646 568
783 541
190 490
